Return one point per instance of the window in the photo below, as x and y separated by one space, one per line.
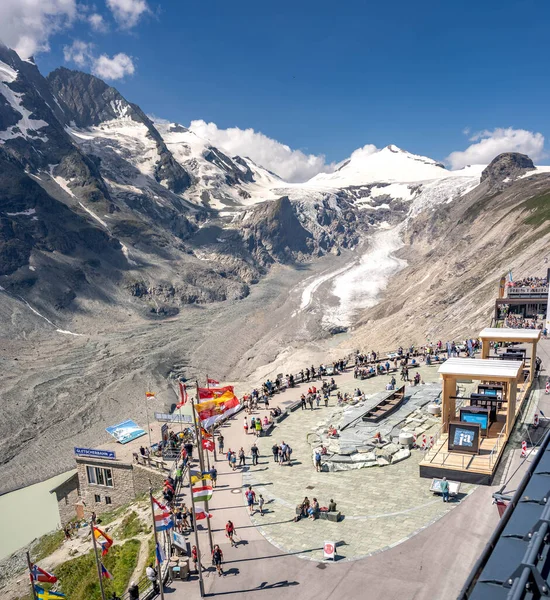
99 476
97 497
108 500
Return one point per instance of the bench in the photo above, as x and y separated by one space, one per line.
326 515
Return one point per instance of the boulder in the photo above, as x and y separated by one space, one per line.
382 462
400 455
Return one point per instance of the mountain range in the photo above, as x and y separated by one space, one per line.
131 249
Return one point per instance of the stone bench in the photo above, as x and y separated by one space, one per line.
326 515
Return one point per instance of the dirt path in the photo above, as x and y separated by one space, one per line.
141 561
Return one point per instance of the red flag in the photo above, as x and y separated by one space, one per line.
38 574
98 533
183 395
205 393
213 382
208 445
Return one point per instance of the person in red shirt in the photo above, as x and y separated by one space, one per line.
195 558
230 531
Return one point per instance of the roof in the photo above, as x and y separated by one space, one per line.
504 559
70 474
483 368
510 335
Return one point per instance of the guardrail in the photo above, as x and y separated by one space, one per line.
537 292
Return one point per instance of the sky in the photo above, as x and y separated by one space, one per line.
302 84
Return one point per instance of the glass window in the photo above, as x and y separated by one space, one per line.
90 471
108 500
99 476
108 478
97 497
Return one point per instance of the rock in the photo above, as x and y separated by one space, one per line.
382 462
434 409
400 455
506 166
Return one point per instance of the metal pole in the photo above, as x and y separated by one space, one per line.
159 565
148 425
97 562
214 442
198 436
201 583
30 574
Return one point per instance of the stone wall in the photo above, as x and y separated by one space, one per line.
121 493
145 477
67 495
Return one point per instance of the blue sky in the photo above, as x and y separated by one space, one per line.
325 77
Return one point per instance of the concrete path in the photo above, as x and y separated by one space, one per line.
433 564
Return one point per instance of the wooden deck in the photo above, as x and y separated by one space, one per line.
472 468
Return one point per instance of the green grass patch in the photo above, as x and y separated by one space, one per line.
539 209
48 544
151 558
131 526
78 578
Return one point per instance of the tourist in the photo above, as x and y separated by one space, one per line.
195 558
318 399
444 487
318 465
228 456
151 573
281 456
242 457
250 496
245 425
324 451
179 519
133 591
258 427
255 453
313 509
305 507
142 451
266 402
234 461
261 504
303 401
230 532
288 455
332 506
275 450
213 476
184 516
217 558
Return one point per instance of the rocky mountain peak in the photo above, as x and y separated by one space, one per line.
507 167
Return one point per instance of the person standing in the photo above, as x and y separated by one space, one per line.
445 489
214 476
133 591
220 443
261 504
242 457
230 532
195 558
303 401
318 465
245 425
250 496
152 576
275 450
217 558
228 456
233 461
255 452
258 427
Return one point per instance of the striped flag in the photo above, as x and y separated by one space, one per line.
161 557
183 395
105 545
46 594
202 492
213 382
38 574
200 514
197 476
163 518
104 572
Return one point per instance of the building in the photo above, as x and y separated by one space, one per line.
527 299
68 497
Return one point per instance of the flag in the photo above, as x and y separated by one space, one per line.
183 395
163 518
161 557
104 572
208 445
150 394
213 382
205 434
38 574
202 493
200 514
46 595
196 476
205 393
216 406
98 533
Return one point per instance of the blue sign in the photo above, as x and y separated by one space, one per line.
126 431
91 453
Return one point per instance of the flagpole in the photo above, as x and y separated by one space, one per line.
159 564
212 431
195 528
198 437
148 425
30 573
99 573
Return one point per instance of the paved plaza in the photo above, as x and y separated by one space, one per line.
381 506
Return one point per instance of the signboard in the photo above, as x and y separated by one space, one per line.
164 432
91 453
464 437
329 550
126 431
476 414
179 540
173 418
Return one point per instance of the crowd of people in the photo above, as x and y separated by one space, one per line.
529 282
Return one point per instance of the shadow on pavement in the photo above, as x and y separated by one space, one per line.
263 586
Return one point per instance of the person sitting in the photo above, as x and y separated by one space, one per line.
313 509
377 438
305 506
332 433
332 506
324 451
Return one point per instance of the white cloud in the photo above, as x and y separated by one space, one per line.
27 25
291 165
97 23
127 12
488 144
113 68
78 52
